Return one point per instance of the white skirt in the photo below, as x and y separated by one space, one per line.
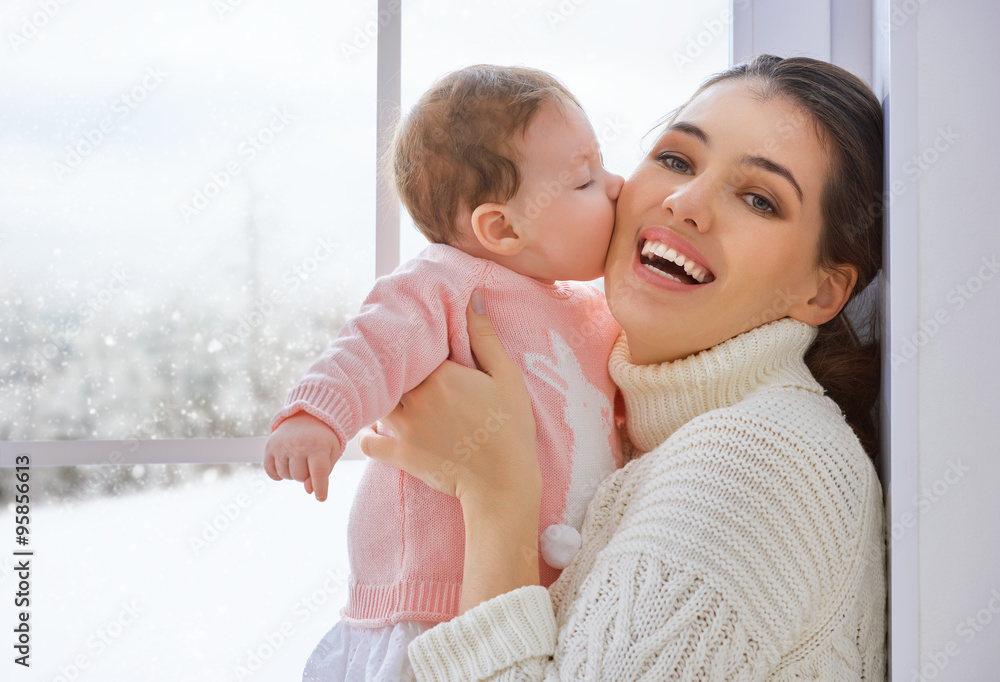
350 654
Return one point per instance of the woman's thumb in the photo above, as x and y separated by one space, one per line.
380 447
489 352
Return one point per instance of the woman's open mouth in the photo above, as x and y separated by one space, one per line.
664 261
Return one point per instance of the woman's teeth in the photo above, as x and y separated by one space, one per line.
664 252
661 273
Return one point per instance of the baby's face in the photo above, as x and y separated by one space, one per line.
566 202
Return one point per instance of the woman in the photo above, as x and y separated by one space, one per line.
744 540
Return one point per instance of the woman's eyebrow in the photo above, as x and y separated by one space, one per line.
746 160
771 167
690 129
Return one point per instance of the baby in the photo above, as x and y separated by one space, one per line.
501 170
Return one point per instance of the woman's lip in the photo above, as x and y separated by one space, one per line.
661 234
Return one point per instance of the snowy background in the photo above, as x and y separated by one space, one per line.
213 579
132 308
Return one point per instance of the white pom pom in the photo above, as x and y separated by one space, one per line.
560 543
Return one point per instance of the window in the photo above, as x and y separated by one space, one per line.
186 187
186 219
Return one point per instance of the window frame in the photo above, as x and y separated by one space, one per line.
841 31
54 453
756 25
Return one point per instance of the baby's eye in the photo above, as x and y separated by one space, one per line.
759 203
674 163
586 184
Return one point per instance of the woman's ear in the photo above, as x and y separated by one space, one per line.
494 230
835 287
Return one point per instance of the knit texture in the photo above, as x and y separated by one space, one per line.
406 541
746 544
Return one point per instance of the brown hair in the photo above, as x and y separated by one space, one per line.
454 150
850 122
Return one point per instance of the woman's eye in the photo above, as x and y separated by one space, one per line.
674 163
759 203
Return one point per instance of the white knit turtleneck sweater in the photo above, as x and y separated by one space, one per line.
746 544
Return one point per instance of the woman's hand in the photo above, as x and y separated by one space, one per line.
466 433
471 434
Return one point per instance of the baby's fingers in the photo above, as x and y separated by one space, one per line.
298 467
279 462
269 467
318 479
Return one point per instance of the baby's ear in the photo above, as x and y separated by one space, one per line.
494 230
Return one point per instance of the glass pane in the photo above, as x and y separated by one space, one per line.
628 62
186 210
165 573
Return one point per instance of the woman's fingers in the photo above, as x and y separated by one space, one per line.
495 361
437 425
486 346
376 446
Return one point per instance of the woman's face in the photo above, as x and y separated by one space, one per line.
733 185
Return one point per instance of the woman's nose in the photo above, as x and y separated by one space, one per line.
689 203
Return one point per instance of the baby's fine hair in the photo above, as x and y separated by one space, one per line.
455 149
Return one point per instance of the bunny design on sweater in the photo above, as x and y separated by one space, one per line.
589 416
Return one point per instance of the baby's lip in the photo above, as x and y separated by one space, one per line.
672 240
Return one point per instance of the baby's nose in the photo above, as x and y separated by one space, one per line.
615 183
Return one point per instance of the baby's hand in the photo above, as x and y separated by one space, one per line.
305 449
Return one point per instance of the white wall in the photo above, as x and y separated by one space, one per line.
957 187
937 62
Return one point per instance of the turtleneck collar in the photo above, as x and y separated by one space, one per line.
659 399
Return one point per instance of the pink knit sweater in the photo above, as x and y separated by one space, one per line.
406 541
